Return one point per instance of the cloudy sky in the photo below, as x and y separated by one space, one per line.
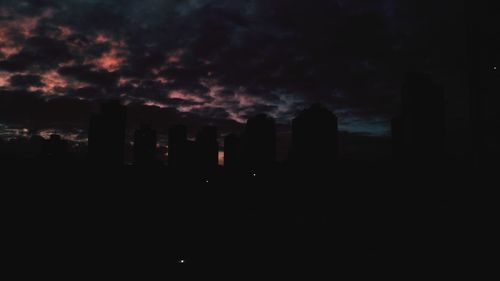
216 61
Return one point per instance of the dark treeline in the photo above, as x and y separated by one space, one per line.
314 214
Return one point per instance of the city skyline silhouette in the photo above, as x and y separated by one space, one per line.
249 140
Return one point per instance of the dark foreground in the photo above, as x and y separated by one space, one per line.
347 224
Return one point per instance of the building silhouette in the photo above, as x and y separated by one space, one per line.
397 137
177 146
258 146
419 130
483 57
191 155
145 146
106 135
54 150
35 146
207 147
231 151
314 137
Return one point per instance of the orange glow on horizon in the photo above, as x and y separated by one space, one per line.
221 158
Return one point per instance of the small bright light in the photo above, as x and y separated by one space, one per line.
254 175
206 181
182 261
494 68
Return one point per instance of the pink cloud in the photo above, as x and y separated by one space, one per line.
162 80
189 108
155 104
175 57
113 59
55 84
4 78
52 81
65 32
123 81
185 96
24 26
102 38
240 98
8 47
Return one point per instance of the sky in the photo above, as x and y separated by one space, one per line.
217 62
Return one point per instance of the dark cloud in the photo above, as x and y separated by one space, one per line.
254 110
29 7
39 53
32 111
21 109
215 112
24 81
87 93
227 60
85 73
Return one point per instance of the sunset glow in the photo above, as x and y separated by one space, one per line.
185 96
191 67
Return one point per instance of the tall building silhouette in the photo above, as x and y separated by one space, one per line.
258 148
483 52
231 151
107 135
207 147
397 137
177 146
419 131
145 146
314 137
